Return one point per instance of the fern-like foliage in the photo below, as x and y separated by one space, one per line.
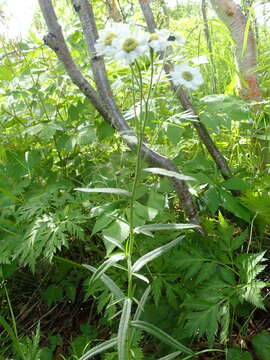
217 280
47 234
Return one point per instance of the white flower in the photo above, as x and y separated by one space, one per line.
158 40
199 60
104 44
130 46
186 75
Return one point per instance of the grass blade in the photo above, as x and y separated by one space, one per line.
155 253
123 329
99 349
161 335
13 337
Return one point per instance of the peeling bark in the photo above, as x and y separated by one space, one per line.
245 54
103 99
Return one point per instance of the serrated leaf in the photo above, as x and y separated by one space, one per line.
204 321
115 191
155 253
99 349
161 335
163 172
123 329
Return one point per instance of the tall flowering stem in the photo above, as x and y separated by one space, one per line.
185 102
103 99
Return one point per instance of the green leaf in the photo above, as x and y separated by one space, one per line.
99 349
123 329
34 130
212 200
231 204
163 172
13 338
115 234
261 345
116 191
161 335
108 282
146 229
237 354
235 183
105 266
220 110
6 73
103 222
171 356
175 133
146 212
52 294
139 310
155 253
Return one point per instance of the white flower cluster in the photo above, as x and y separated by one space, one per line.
118 40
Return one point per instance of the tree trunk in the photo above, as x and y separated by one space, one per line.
245 49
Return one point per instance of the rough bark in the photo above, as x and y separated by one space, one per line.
103 99
113 11
186 104
245 54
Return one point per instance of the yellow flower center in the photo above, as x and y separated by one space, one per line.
109 38
187 75
154 36
129 44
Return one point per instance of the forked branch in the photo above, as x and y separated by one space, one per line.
186 104
103 100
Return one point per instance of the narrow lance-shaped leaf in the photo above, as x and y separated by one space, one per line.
146 229
155 253
123 329
139 310
105 266
163 172
171 356
99 349
164 337
111 285
116 191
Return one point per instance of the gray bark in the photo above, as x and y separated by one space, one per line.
103 99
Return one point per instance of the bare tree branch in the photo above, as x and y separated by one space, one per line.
107 106
183 98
